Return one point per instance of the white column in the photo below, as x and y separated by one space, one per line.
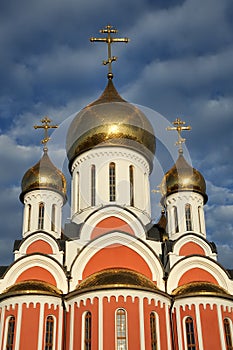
179 328
202 217
25 216
168 328
221 330
34 217
142 326
1 326
100 324
169 221
71 326
60 327
18 327
199 329
41 324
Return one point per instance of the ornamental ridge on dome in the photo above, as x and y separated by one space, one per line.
30 287
117 278
198 288
44 175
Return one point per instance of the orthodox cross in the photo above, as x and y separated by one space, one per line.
179 127
45 125
109 40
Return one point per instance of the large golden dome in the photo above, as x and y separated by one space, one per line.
43 175
110 121
182 177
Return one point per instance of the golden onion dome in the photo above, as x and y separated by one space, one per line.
199 288
183 177
110 121
43 176
30 287
117 278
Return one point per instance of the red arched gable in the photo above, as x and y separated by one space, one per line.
191 248
196 275
37 273
109 224
39 246
118 256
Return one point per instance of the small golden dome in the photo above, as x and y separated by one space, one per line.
182 177
199 288
110 121
116 278
43 175
30 287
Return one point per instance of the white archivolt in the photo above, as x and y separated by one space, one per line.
112 211
36 260
200 262
120 239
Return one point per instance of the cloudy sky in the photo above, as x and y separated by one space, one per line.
178 63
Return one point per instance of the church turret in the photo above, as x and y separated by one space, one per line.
183 191
43 193
110 147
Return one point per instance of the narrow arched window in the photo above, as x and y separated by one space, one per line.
77 199
49 333
176 219
87 331
93 185
131 181
121 330
53 218
41 217
228 336
190 337
188 217
112 182
29 213
153 335
10 333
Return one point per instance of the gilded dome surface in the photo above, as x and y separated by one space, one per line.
117 278
182 177
43 175
110 121
31 287
199 288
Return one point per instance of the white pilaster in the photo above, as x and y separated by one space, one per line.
199 328
100 324
2 326
41 327
71 327
221 330
168 328
179 329
142 325
18 327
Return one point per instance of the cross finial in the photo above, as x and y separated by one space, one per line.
45 125
109 40
179 127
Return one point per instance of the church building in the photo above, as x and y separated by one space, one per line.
112 278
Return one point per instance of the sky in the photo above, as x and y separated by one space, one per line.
178 63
